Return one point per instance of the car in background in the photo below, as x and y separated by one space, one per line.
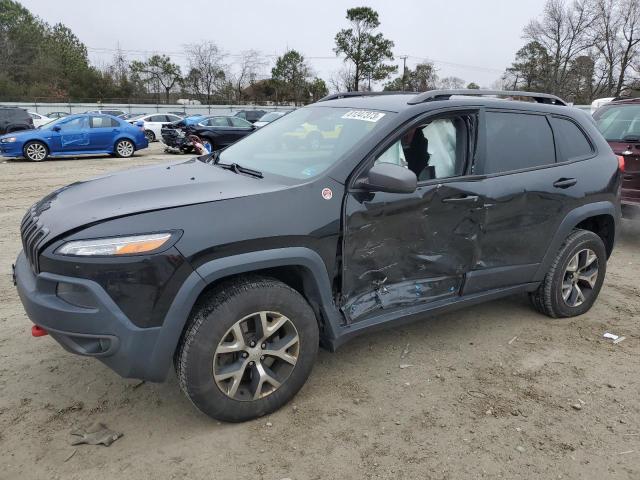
110 111
270 117
14 119
82 134
179 114
57 115
220 131
129 116
153 123
250 115
39 120
619 123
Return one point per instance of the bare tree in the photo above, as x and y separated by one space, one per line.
563 30
451 83
250 64
630 13
343 80
206 69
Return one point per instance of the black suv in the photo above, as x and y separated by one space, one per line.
13 119
235 266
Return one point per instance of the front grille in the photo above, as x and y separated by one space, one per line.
33 234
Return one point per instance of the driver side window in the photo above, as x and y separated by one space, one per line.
436 149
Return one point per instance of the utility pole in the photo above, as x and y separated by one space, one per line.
404 70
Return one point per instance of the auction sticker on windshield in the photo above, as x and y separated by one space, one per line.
366 115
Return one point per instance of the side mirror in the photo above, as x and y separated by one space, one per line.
390 178
56 128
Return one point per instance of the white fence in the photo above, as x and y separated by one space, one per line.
44 108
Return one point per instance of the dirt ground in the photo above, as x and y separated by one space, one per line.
495 391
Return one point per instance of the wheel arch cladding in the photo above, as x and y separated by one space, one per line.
298 267
600 218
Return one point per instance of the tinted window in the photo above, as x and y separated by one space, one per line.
104 122
157 118
173 118
516 141
217 122
239 122
571 141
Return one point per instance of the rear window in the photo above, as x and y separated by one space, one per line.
572 143
516 141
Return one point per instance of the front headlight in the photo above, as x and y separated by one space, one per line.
8 140
132 245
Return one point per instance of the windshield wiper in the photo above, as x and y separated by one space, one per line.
234 167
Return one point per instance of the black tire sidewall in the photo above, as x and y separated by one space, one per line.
198 368
26 145
585 240
151 137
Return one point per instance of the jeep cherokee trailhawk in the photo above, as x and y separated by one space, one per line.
236 266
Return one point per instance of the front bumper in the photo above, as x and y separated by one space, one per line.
10 150
101 330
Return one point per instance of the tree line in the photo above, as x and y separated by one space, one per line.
580 50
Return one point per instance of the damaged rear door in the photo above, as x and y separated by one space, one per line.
403 249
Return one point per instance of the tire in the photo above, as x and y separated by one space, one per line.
151 137
205 357
35 151
124 148
557 296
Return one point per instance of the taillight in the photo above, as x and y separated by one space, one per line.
621 163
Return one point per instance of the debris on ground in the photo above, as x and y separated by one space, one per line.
576 406
611 336
512 340
95 434
618 340
405 352
405 365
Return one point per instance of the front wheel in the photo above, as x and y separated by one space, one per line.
575 277
35 151
248 348
124 148
151 137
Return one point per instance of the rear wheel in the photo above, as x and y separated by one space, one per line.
35 151
124 148
247 350
151 137
575 277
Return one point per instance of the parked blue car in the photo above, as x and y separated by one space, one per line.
83 134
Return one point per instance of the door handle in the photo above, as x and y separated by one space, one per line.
461 199
565 182
627 177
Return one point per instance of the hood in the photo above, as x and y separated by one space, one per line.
21 134
142 190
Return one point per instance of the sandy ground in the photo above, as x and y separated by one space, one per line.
488 393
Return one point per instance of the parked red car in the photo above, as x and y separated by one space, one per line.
619 122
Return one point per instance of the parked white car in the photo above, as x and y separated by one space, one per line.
39 120
153 123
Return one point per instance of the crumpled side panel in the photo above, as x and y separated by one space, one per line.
402 249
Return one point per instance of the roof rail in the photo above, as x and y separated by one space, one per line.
335 96
434 95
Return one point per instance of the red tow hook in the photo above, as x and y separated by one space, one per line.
37 331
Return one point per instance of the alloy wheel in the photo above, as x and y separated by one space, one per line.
256 356
36 152
580 277
125 148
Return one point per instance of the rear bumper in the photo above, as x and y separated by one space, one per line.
100 331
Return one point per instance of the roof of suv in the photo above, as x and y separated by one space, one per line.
400 101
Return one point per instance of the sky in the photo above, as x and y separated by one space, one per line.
471 39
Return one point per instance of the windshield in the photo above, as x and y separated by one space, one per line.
304 143
617 122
